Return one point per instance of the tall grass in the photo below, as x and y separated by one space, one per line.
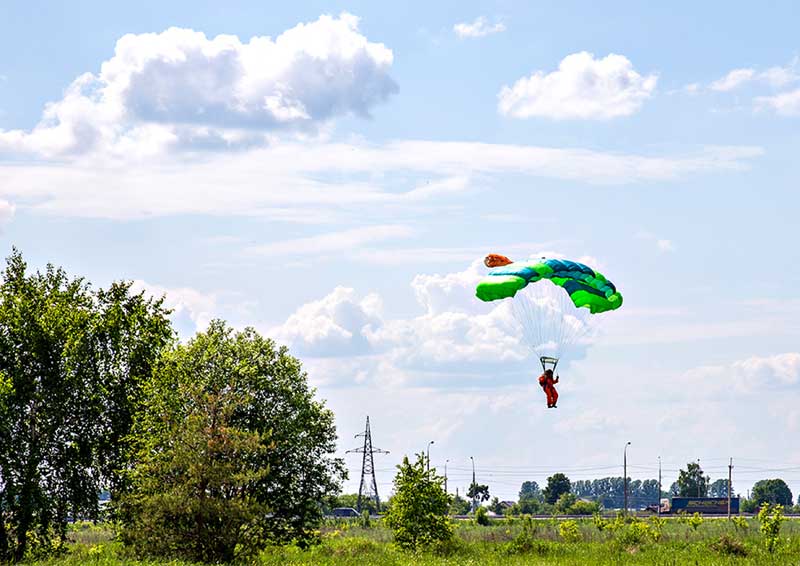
712 543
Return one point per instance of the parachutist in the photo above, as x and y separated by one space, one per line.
547 382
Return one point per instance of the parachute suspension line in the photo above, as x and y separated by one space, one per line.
550 321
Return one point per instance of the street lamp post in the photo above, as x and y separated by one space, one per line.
429 455
473 483
625 474
445 475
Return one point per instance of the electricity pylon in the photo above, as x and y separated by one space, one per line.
369 487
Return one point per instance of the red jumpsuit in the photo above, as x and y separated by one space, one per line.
548 384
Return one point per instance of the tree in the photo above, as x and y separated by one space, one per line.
73 364
459 505
530 490
692 482
719 488
479 492
495 506
557 484
193 493
565 502
276 403
418 515
771 491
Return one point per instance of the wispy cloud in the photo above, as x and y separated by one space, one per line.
478 28
342 241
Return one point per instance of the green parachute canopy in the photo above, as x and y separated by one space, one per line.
585 286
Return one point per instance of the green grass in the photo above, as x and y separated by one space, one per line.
715 542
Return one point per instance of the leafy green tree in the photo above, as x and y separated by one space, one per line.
719 488
73 363
557 484
530 490
418 515
565 502
530 506
193 492
479 492
692 482
276 403
459 505
771 491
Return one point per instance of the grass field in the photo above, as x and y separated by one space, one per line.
675 542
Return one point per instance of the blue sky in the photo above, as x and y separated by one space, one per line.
333 173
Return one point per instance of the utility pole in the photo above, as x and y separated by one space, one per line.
625 476
445 475
658 503
473 483
369 487
730 477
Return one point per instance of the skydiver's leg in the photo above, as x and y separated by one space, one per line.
555 396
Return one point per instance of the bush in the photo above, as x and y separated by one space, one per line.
729 546
366 521
695 521
740 523
635 533
569 531
771 517
525 542
584 508
482 517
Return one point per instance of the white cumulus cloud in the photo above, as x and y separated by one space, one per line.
583 87
185 302
784 104
751 374
478 28
179 88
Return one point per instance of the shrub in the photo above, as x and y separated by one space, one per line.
600 523
771 517
728 545
634 533
366 521
657 528
695 521
525 542
740 523
569 531
482 517
584 508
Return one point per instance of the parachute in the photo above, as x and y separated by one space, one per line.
553 300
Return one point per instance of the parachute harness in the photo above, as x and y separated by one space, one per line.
548 361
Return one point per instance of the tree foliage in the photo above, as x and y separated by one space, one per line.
773 491
692 482
72 367
273 400
418 515
530 490
193 492
557 484
479 492
719 488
